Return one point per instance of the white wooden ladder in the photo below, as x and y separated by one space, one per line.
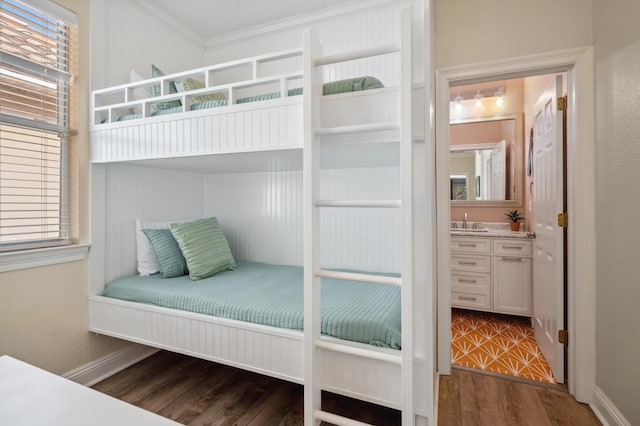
313 139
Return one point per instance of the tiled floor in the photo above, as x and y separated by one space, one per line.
497 343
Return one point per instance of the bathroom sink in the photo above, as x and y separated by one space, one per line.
469 230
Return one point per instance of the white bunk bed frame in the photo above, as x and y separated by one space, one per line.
379 375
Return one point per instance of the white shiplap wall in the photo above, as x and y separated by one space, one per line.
144 193
338 34
261 214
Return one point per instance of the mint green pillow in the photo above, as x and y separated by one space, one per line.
204 247
189 84
156 72
171 262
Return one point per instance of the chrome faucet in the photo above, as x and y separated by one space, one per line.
464 221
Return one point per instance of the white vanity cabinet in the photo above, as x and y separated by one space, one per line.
491 274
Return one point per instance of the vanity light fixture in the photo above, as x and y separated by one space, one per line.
499 97
478 104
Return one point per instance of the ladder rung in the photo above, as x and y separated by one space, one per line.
359 203
358 128
364 278
338 420
364 353
357 54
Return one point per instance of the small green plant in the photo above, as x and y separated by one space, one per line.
514 216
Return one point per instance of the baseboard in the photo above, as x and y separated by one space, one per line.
98 370
606 411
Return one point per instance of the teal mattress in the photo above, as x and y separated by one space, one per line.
273 295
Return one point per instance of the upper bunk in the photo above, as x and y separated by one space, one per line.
253 105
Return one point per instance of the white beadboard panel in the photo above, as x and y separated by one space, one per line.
336 34
265 350
275 124
365 30
261 215
143 193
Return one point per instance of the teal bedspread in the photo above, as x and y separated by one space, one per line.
273 295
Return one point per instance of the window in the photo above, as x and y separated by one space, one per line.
36 66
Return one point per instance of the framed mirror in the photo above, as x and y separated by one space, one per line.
486 161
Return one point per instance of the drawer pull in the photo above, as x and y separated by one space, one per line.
512 259
466 245
466 263
513 247
464 280
472 299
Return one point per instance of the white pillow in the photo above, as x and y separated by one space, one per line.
141 92
147 263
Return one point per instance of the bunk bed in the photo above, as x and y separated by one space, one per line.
265 116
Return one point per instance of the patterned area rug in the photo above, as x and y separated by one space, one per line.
499 344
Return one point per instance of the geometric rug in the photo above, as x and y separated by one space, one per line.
499 344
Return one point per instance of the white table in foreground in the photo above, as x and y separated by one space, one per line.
31 396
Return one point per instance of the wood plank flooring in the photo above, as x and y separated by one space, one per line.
192 391
469 398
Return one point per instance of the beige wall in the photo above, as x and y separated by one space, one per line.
470 31
617 56
43 311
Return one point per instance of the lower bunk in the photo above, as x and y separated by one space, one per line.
251 318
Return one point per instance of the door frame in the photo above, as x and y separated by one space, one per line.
578 63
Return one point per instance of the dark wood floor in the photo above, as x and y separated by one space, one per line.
197 392
470 398
192 391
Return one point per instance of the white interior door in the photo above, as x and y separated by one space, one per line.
548 262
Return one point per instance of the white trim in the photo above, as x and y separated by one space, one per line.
606 411
99 369
299 21
581 247
23 259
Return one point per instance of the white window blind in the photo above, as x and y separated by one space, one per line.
36 65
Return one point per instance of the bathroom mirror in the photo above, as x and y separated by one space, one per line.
485 161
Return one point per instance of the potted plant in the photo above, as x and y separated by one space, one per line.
514 217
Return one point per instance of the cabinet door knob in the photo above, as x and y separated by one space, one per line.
466 263
472 299
464 280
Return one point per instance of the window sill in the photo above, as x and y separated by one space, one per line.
23 259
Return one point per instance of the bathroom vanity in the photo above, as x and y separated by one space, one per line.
491 270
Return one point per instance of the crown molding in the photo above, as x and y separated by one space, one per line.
301 20
180 26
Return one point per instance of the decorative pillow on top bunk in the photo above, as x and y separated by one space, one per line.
351 85
204 247
193 84
155 72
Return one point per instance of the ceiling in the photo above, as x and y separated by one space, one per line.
212 18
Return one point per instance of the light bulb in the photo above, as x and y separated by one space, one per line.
478 97
499 97
458 100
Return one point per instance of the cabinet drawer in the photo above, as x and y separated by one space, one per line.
512 247
471 245
472 301
470 263
470 283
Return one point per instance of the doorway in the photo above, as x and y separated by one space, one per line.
577 64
